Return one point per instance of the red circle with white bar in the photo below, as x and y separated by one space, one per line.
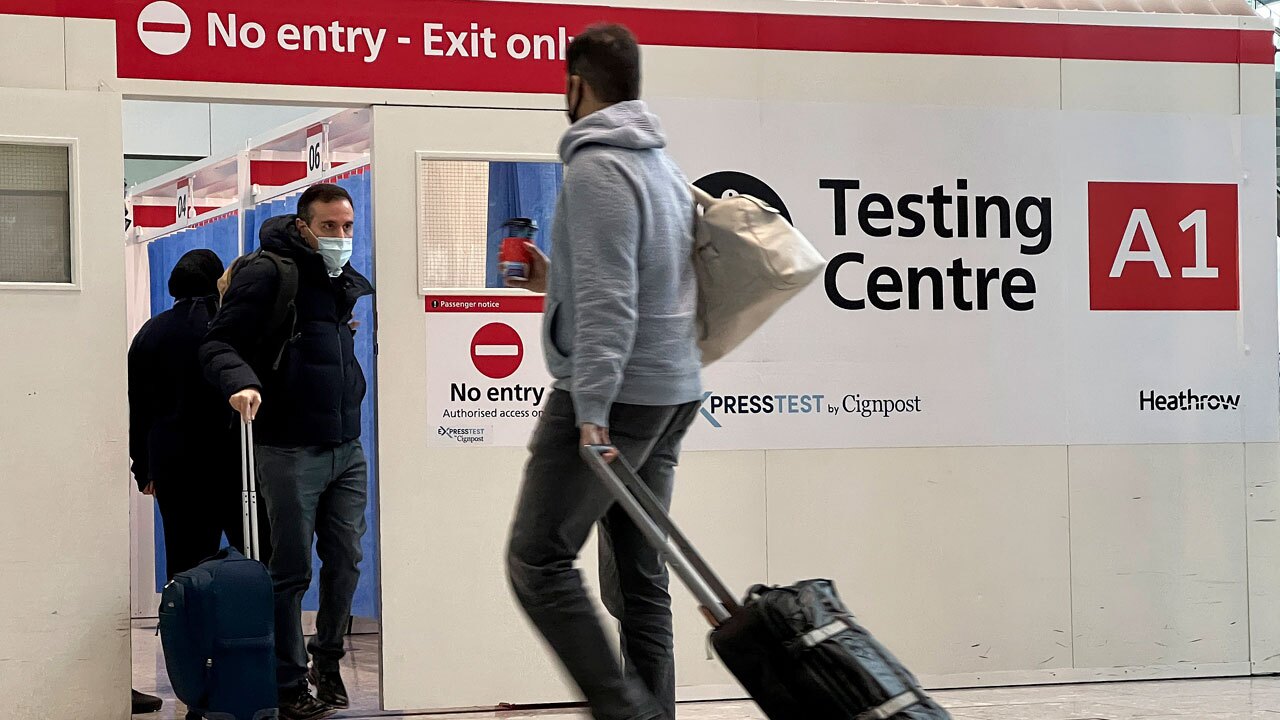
496 350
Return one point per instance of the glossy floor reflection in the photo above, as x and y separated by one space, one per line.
1236 699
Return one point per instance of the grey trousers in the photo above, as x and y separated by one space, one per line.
321 493
560 501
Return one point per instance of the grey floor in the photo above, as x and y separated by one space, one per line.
1235 699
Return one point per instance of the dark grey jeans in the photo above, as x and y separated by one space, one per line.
560 501
318 492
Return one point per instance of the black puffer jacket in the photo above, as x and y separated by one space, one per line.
179 426
314 396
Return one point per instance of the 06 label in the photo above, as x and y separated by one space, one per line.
1164 246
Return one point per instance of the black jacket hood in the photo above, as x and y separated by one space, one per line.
280 235
196 275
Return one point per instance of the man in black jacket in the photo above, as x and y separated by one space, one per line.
301 386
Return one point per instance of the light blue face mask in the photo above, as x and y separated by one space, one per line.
336 251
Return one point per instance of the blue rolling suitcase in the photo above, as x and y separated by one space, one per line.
217 625
797 650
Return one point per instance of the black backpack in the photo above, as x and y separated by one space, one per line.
284 314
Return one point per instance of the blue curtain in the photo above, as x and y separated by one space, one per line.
360 187
261 213
520 189
221 236
250 228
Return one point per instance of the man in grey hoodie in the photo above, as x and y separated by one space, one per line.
620 341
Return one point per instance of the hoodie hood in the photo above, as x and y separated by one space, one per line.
196 275
627 125
280 235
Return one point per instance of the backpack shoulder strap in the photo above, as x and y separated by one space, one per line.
287 290
284 314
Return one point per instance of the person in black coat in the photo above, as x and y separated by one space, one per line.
294 375
182 437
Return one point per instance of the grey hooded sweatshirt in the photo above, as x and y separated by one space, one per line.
622 294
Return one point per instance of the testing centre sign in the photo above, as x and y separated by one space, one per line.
994 278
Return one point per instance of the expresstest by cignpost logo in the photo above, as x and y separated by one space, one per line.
714 405
716 408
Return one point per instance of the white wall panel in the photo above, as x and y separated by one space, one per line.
1262 482
63 462
31 53
700 73
957 558
1150 87
1158 555
451 633
1259 333
720 503
90 55
1255 82
910 79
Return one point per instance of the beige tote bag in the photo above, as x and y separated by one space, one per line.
749 261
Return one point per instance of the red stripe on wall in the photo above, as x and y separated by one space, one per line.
1006 39
154 216
104 10
276 172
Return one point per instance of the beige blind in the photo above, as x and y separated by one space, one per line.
453 223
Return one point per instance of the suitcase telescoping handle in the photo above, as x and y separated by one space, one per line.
717 602
249 491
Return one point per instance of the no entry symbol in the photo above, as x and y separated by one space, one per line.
496 350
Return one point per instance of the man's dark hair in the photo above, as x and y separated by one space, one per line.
320 193
607 57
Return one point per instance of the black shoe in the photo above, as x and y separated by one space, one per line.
304 706
144 704
329 687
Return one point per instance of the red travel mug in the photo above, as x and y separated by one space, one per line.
513 259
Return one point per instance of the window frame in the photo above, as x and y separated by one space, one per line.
72 146
421 156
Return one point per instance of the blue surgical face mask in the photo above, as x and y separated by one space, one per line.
336 251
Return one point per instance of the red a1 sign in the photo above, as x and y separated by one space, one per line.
1164 246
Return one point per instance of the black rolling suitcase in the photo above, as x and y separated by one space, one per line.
797 650
217 624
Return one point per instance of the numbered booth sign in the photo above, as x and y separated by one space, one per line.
184 205
316 152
